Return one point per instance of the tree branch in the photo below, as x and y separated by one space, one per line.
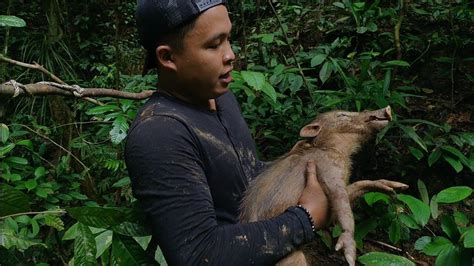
14 89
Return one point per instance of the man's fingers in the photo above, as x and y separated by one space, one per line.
311 177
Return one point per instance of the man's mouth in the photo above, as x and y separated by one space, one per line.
226 78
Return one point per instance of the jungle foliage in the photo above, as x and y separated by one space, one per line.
65 195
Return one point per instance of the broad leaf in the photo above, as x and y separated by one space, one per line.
421 242
453 194
394 231
423 191
373 197
84 246
455 163
11 21
9 239
434 156
12 201
102 109
449 227
420 210
408 221
325 71
119 130
254 79
126 251
318 59
4 133
437 245
383 259
71 233
469 238
449 256
97 216
434 207
130 229
6 149
412 134
103 241
399 63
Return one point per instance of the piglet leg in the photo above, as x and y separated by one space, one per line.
359 188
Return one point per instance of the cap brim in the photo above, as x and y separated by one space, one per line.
150 62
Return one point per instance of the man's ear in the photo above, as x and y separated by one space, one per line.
310 130
164 56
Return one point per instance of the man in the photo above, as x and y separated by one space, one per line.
190 154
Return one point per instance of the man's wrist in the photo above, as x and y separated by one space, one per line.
310 218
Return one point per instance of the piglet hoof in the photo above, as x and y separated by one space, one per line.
346 242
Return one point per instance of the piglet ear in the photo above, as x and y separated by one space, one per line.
310 130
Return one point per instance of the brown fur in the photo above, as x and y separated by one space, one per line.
335 136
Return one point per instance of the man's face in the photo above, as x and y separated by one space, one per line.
204 64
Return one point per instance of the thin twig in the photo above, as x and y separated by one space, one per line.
29 213
384 244
291 48
58 145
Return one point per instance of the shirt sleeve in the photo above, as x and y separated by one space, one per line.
169 182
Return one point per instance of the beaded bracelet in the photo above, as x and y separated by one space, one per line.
311 221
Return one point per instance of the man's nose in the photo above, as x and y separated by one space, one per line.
229 55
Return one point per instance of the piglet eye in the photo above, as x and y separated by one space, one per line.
341 115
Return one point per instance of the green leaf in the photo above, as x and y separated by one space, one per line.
12 201
420 210
268 89
408 221
423 191
16 160
460 218
468 137
4 133
325 71
384 259
54 221
456 164
435 247
399 63
97 216
469 238
449 227
9 239
126 251
6 149
71 233
318 59
26 143
453 194
394 231
434 156
268 38
122 182
372 197
416 153
130 229
412 134
11 21
339 4
434 207
421 242
84 246
119 130
40 172
102 109
103 241
450 256
31 184
253 79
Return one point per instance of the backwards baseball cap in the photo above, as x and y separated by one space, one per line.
157 18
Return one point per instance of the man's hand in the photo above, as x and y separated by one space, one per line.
314 199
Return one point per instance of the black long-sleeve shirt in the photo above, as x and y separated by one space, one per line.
189 169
